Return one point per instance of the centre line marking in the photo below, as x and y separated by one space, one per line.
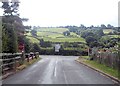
55 73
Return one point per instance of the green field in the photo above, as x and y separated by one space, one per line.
58 30
56 35
106 31
110 36
49 35
65 39
114 36
32 39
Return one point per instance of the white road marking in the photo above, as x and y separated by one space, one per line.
55 72
65 77
56 62
64 74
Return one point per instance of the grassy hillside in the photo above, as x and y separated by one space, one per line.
58 30
106 31
56 35
114 36
65 39
32 39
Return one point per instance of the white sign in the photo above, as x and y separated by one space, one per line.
57 47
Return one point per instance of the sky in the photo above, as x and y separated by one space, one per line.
46 13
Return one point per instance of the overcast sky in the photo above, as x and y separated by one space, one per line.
69 12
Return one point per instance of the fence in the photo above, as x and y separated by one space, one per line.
108 58
9 62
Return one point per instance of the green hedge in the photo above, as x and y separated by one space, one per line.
51 51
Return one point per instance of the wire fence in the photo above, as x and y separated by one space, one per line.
107 57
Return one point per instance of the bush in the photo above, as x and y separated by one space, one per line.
73 52
47 51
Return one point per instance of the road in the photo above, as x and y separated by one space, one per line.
57 70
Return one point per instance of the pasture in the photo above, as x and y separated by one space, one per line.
56 35
110 36
106 31
32 39
114 36
58 30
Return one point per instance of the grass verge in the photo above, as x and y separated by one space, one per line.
26 64
101 67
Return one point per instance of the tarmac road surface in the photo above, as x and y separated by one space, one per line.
57 70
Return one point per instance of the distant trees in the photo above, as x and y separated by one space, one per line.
91 26
82 26
87 33
45 44
99 33
92 37
35 48
12 28
92 41
66 33
103 26
34 32
109 26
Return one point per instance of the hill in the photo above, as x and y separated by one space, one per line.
56 35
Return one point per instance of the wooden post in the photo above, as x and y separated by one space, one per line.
27 56
14 64
23 57
88 52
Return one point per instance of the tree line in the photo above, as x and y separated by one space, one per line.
12 27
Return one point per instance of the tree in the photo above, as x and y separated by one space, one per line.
103 26
66 33
9 35
87 33
35 48
109 26
10 9
27 45
34 32
12 26
91 26
100 33
82 26
90 39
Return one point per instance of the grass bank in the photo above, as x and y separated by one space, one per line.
26 64
101 67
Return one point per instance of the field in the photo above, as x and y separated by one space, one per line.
56 35
32 39
106 31
114 36
110 36
65 39
58 30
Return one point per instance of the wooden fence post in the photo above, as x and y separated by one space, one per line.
118 63
23 57
14 64
27 56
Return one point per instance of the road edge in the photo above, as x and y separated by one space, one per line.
117 81
14 72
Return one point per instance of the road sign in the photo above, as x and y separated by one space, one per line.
21 47
57 47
